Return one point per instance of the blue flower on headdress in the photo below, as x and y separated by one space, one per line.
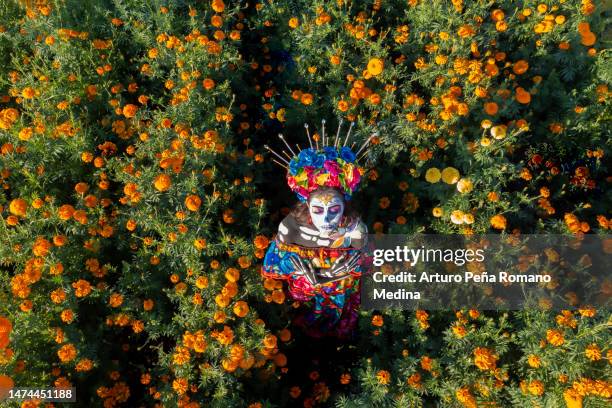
294 167
347 154
307 157
330 153
319 160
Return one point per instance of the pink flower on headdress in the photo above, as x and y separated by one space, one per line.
291 183
301 190
332 167
333 181
354 178
309 170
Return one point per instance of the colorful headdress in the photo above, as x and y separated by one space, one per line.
331 165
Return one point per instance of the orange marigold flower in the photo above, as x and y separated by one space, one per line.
383 377
67 353
261 242
555 337
129 110
377 320
241 308
180 385
498 221
82 288
18 207
162 182
218 5
484 358
345 378
522 96
193 202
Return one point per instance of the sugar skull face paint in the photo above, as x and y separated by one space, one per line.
326 210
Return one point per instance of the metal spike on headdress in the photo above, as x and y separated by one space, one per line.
308 134
365 143
348 134
280 164
268 148
280 136
323 131
338 133
286 157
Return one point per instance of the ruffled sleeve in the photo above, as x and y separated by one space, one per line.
277 264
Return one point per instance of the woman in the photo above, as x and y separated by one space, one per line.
318 252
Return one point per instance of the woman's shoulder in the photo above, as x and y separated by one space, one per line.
357 227
287 227
290 230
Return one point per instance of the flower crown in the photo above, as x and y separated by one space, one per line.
331 165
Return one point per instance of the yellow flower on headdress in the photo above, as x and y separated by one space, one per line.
348 171
322 179
302 176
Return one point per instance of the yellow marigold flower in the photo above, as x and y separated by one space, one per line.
26 133
28 93
465 397
433 175
593 352
499 131
294 22
536 387
459 330
464 185
375 66
572 398
468 218
534 361
200 243
450 175
456 217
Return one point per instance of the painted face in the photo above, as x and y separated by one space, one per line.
326 210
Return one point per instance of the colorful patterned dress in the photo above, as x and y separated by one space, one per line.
330 309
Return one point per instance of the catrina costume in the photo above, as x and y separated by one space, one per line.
327 309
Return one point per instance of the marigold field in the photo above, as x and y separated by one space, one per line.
138 200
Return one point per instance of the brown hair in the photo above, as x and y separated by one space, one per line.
302 215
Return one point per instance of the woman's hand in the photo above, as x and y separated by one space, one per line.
341 267
305 268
